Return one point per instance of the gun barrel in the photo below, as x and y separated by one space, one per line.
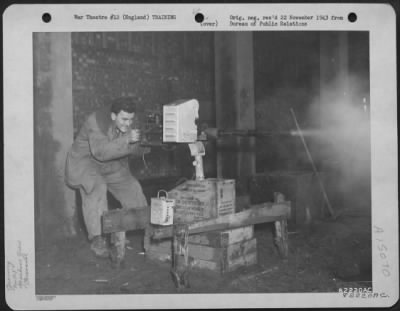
215 133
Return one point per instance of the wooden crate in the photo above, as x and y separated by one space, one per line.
203 199
217 251
223 238
224 259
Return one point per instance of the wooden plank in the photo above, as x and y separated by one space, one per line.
133 219
163 247
205 264
125 219
250 259
156 256
261 213
205 252
236 255
223 238
239 250
223 259
247 260
206 246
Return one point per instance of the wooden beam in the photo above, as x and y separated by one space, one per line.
281 237
125 219
134 219
235 104
261 213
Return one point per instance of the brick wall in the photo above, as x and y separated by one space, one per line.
153 67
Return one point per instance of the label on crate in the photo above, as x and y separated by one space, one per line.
203 199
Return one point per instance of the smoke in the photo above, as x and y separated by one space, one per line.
342 140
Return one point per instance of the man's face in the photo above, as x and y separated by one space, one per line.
123 120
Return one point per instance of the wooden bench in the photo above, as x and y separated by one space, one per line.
124 220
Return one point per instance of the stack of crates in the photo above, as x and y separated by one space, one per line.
217 250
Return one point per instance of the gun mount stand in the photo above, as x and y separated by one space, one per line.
197 150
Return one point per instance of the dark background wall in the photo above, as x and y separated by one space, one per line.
317 74
324 78
286 76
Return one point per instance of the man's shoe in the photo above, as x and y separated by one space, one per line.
99 247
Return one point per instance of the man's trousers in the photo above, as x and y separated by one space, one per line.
122 185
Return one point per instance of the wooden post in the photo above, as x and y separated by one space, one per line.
118 249
235 105
147 237
55 207
281 237
224 259
180 256
125 219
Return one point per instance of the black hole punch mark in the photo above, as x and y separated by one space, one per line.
199 17
46 17
352 17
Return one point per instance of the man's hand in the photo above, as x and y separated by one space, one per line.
135 136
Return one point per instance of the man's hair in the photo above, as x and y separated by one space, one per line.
123 103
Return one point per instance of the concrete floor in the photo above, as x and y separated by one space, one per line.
323 257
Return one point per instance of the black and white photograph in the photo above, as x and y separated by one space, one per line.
202 162
277 110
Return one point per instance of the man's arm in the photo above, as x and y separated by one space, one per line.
103 149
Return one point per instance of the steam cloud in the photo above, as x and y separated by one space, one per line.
342 141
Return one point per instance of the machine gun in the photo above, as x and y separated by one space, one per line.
177 126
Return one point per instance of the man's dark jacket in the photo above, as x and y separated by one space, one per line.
98 150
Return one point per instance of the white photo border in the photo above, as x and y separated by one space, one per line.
20 21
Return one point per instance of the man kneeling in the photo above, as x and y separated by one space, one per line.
98 162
